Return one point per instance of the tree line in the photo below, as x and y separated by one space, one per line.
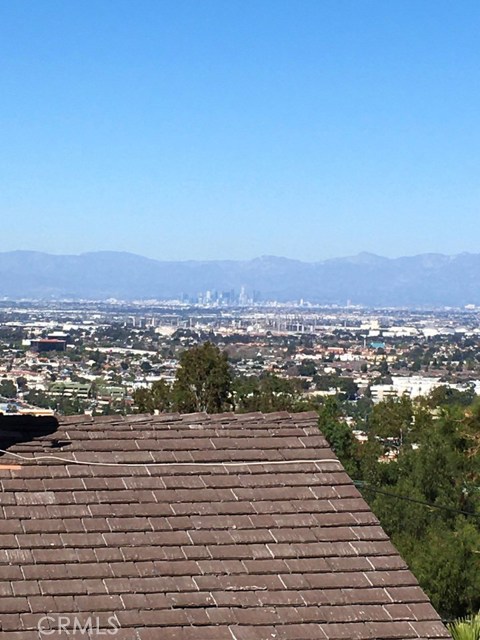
204 382
419 471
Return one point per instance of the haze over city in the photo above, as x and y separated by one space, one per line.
187 130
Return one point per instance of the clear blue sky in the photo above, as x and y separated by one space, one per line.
231 129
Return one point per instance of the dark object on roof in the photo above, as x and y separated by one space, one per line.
222 527
25 428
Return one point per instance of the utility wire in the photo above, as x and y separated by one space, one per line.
245 463
369 487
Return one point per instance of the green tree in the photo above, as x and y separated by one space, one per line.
39 399
203 381
348 388
21 383
266 393
383 367
307 368
446 396
427 498
157 397
339 434
325 382
447 565
392 418
8 389
146 367
434 482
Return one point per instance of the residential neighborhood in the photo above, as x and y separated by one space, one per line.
91 357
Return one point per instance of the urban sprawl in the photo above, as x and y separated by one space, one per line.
91 357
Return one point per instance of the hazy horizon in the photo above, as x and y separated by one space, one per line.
247 259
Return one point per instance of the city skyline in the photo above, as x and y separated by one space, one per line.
426 279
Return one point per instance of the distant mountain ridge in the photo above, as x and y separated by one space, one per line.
423 280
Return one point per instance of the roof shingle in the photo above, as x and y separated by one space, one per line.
197 527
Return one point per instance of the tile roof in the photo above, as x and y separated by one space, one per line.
195 527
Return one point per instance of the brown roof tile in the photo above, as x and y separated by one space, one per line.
197 527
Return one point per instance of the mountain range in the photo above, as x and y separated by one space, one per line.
423 280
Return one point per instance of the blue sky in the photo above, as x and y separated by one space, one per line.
232 129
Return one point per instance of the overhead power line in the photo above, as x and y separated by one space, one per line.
431 505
